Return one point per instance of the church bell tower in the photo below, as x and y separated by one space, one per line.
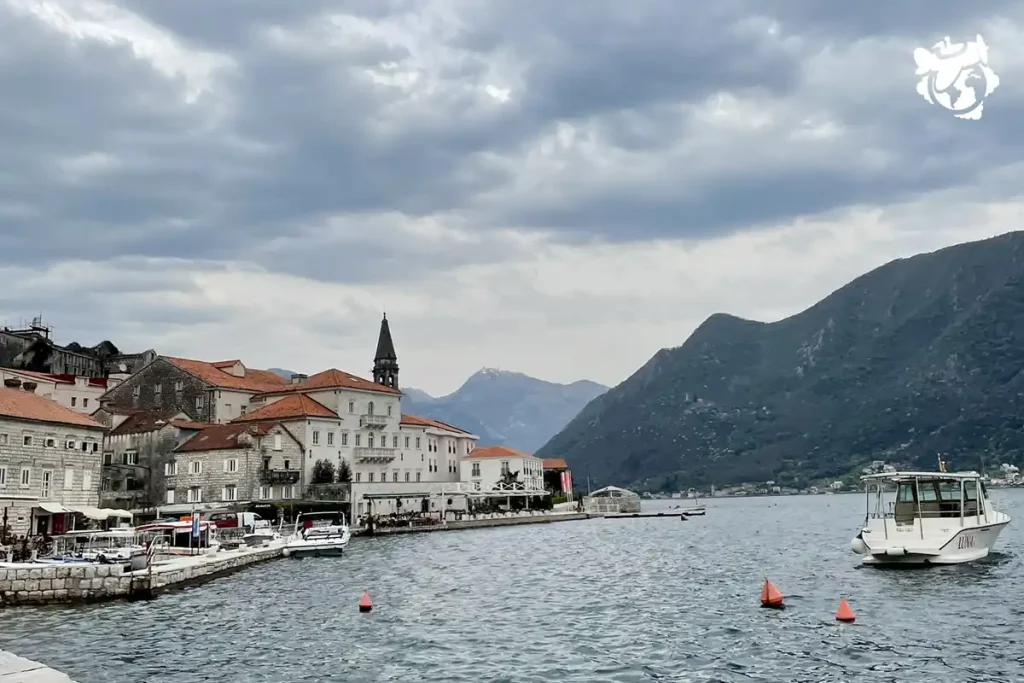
385 362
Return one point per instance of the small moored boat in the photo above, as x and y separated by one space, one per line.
936 518
318 534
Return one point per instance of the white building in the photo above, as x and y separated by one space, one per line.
81 394
49 463
486 467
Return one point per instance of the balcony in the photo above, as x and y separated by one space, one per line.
373 421
275 477
374 455
339 492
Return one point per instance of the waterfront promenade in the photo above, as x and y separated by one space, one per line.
15 669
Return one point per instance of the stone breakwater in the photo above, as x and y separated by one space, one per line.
34 584
20 670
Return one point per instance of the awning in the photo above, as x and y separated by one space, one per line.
91 512
111 512
54 508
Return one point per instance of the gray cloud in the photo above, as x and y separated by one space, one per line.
105 156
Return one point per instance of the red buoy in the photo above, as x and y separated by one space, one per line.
770 596
365 604
844 613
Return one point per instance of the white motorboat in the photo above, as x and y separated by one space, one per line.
695 511
936 518
318 534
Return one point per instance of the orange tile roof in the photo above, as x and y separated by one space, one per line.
145 421
555 464
222 437
498 452
44 376
334 379
18 404
297 405
417 421
211 373
189 424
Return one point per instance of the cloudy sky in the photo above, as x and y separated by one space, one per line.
559 188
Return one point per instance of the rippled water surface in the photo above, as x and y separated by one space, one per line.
597 600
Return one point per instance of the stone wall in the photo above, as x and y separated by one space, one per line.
163 374
155 450
37 584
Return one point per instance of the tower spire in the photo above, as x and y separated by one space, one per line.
385 361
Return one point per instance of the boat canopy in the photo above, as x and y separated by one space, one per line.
909 476
613 492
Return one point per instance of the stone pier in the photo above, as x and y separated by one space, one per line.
35 584
14 669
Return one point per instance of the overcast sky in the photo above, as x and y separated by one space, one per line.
558 188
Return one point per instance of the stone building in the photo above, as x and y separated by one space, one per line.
81 394
213 393
137 452
236 464
49 463
32 348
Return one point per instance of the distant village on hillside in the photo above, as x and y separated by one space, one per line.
93 433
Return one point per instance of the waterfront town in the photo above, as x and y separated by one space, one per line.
93 438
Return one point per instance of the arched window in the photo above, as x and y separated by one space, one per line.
369 408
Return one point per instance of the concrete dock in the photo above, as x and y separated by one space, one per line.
477 524
14 669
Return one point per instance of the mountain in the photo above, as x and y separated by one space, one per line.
921 356
287 374
506 408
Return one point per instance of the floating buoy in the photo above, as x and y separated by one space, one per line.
770 596
365 604
844 613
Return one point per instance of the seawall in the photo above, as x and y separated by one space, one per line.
15 669
477 524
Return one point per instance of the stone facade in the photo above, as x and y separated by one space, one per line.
266 466
162 386
62 464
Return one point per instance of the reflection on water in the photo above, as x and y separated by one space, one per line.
601 600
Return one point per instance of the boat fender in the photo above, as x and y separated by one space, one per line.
858 546
286 552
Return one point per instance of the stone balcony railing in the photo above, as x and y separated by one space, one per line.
340 492
373 421
374 455
273 477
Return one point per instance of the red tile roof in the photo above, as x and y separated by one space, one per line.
297 406
211 373
152 420
417 421
334 379
18 404
223 437
498 452
189 424
555 464
42 376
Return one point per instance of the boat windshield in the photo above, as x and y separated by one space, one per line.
935 498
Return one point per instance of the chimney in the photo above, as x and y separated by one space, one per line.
29 387
12 382
298 378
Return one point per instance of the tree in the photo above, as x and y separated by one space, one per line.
323 472
509 478
344 473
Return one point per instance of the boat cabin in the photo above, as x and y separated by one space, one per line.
922 495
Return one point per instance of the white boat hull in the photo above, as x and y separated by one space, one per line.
968 544
328 546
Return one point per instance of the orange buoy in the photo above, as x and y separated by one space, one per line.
770 596
365 604
844 613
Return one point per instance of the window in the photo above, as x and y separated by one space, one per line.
394 476
136 390
74 401
3 476
357 439
344 438
476 469
418 474
230 466
394 441
195 495
95 446
69 478
266 492
406 442
407 476
158 389
130 458
383 477
359 476
171 469
51 442
330 438
242 408
179 385
369 440
369 408
3 439
504 466
26 476
199 402
316 437
230 493
371 477
351 406
86 481
277 442
287 464
26 440
170 497
85 403
417 442
389 411
196 467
